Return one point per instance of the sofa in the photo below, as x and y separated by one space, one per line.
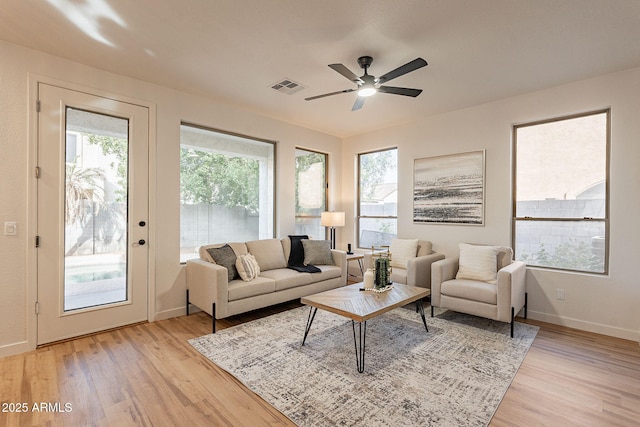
282 274
411 261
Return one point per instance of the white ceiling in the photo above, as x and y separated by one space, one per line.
234 50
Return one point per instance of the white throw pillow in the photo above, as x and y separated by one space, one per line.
478 263
247 267
402 250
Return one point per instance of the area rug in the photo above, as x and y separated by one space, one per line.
454 375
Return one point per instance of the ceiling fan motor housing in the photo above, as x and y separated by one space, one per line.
365 62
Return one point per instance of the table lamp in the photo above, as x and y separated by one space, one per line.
332 220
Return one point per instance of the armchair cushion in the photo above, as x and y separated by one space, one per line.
402 250
471 290
478 263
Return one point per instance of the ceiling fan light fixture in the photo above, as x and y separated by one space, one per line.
367 91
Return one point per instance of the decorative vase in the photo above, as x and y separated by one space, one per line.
368 278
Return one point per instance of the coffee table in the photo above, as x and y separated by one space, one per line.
358 305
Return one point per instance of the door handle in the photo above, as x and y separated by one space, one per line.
140 242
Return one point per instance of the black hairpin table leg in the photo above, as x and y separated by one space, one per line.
360 343
312 315
420 310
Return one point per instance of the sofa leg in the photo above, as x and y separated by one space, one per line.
431 310
213 317
513 319
525 304
187 302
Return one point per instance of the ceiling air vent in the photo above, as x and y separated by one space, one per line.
287 86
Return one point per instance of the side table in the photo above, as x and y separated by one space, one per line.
359 258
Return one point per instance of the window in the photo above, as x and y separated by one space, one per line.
226 189
561 193
377 197
311 192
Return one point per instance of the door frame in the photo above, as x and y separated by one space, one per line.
32 198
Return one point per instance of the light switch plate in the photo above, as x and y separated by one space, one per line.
10 228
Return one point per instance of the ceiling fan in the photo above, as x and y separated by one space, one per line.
368 85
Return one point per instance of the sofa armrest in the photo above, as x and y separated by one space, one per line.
340 259
419 269
511 288
441 271
207 284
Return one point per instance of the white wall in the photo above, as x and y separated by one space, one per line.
606 305
601 304
17 255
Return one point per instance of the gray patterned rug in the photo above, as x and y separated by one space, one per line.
454 375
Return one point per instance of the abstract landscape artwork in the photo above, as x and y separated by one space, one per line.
449 189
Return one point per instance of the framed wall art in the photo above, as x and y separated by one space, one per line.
449 189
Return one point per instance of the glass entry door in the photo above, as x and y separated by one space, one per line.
92 213
95 224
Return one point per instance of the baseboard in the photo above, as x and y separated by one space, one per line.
583 325
16 348
175 312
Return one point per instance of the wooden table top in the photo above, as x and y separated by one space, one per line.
349 301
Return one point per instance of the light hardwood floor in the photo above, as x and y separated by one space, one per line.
147 374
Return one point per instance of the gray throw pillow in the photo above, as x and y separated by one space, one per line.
317 252
226 257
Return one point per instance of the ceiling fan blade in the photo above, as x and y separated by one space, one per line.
400 91
311 98
358 104
403 69
346 72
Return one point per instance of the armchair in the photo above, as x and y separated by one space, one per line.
484 281
411 261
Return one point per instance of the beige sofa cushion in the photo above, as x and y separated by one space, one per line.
326 272
286 278
239 289
286 247
268 253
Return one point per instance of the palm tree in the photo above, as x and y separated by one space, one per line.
84 201
82 187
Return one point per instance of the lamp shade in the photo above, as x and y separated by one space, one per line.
332 219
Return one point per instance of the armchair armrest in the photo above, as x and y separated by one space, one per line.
207 284
441 271
368 261
511 289
419 269
340 259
